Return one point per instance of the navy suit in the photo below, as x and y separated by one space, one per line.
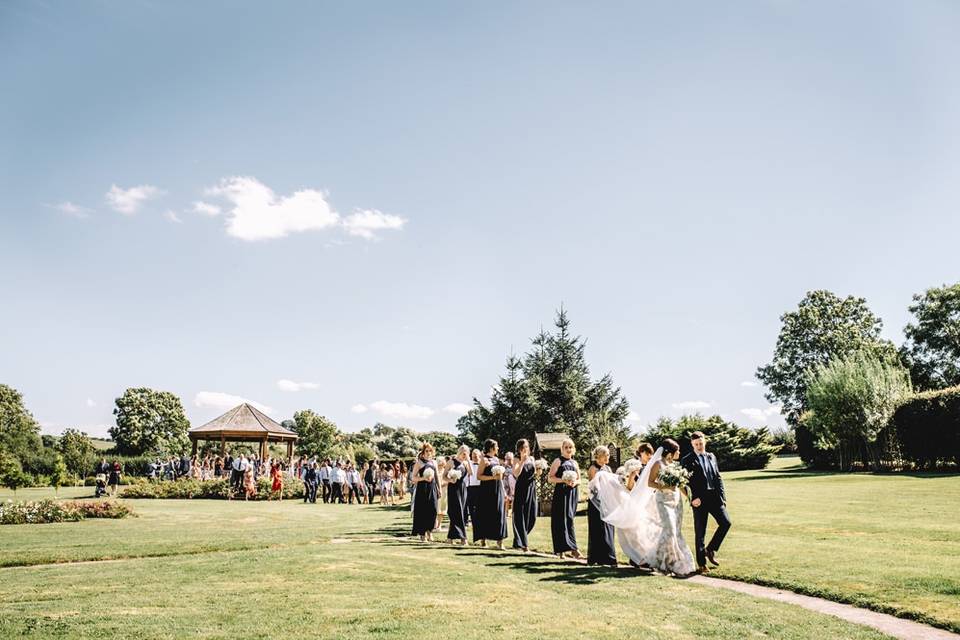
707 485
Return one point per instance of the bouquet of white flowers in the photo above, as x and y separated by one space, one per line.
569 476
673 475
622 474
427 474
454 475
632 465
540 464
498 470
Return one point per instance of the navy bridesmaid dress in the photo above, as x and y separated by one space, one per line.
457 504
601 550
524 505
425 501
491 511
563 509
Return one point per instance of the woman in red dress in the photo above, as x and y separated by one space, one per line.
277 478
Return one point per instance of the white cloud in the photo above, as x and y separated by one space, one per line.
748 383
290 385
359 408
691 405
224 401
259 214
366 222
128 201
457 408
206 208
91 403
762 415
172 216
71 209
401 410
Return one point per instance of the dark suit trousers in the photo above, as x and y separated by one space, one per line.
326 491
336 492
710 505
310 494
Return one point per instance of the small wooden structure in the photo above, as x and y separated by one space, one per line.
243 423
543 442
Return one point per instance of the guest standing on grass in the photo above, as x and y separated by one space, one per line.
370 479
524 496
473 492
323 475
337 480
386 484
401 479
600 549
276 482
114 478
310 484
491 513
565 477
457 495
426 495
249 484
509 482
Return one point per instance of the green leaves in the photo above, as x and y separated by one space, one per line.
149 422
932 348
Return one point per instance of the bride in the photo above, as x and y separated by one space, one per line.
648 519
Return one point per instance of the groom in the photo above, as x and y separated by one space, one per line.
707 498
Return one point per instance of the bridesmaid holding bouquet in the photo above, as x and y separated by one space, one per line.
565 478
491 513
524 495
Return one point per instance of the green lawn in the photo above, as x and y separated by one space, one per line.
223 569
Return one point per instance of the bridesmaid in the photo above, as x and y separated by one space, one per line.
426 496
524 495
490 506
564 506
600 549
457 495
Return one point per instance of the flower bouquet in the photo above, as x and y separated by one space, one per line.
427 474
540 464
454 475
498 470
570 476
632 465
673 475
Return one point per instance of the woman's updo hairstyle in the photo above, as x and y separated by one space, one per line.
521 443
488 445
670 446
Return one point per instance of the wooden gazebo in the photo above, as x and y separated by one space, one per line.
543 442
243 423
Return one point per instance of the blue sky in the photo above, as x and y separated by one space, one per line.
381 200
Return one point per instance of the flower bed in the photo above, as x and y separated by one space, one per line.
187 489
48 511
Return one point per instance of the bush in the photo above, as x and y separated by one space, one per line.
928 427
49 511
736 447
187 489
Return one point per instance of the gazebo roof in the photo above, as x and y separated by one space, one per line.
243 421
549 441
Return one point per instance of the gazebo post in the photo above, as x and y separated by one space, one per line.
290 452
193 454
223 446
263 448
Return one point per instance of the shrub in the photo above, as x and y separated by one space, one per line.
49 511
735 447
928 427
187 489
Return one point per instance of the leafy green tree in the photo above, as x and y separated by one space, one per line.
851 401
19 432
318 434
823 327
12 475
149 422
932 348
396 442
445 443
59 475
736 447
78 451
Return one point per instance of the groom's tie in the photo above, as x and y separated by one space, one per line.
707 470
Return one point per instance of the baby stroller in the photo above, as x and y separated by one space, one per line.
101 485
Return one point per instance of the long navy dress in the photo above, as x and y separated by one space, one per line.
600 549
563 509
457 504
491 514
425 501
524 505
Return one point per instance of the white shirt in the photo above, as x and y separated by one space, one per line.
336 475
324 472
473 481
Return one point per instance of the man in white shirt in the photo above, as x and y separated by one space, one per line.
324 475
337 478
237 472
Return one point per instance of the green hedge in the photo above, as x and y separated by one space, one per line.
736 447
188 488
928 428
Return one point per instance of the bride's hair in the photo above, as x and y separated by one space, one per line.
669 446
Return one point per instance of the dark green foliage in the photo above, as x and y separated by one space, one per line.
549 389
12 475
932 348
735 447
20 433
318 434
445 443
928 427
149 422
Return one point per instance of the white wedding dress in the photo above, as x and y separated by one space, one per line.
648 521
